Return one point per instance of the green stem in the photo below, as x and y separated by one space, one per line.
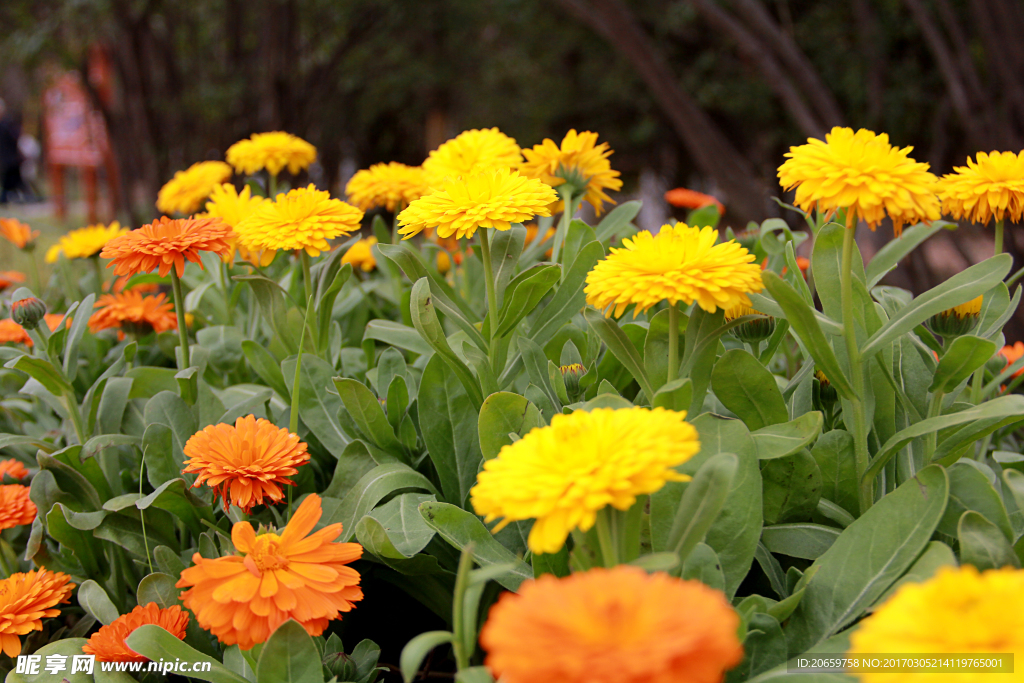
563 227
931 440
458 616
3 560
860 427
999 237
37 281
492 295
72 288
142 515
71 403
272 185
307 273
673 343
609 545
395 237
98 269
179 310
223 276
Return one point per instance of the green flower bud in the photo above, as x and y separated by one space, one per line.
341 665
752 331
28 312
825 395
954 322
571 375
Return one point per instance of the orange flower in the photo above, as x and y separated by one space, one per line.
618 625
131 310
167 242
12 332
108 643
15 507
10 277
802 262
243 598
17 233
12 467
52 320
691 199
25 598
1012 354
245 462
118 284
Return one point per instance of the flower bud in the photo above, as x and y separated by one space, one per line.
825 395
28 312
571 375
752 331
444 262
954 322
341 665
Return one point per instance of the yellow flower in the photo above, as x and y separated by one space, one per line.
84 242
992 187
272 151
360 254
471 152
305 218
562 474
680 263
972 307
232 207
491 199
185 192
956 611
389 185
862 173
580 161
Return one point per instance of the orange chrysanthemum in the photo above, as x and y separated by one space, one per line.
131 310
10 277
691 199
25 598
15 507
245 462
618 625
108 644
165 243
296 575
13 468
12 332
17 233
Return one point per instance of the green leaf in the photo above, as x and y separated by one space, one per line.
889 256
621 347
474 674
804 540
167 409
502 414
804 322
676 395
868 557
79 325
936 555
569 298
617 220
325 300
372 488
792 487
506 247
267 367
524 292
94 599
155 643
397 334
175 496
959 289
703 565
224 344
745 387
426 323
983 544
826 264
290 656
833 452
159 588
318 406
460 528
417 649
368 414
656 347
780 440
43 372
965 355
407 533
969 489
448 422
701 502
68 647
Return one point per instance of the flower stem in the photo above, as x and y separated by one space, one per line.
307 273
99 274
179 309
492 295
609 545
860 427
37 281
458 618
673 343
395 237
931 440
999 237
563 226
272 185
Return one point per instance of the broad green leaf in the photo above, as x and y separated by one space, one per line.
43 372
656 347
936 555
290 656
96 602
792 486
957 290
372 488
702 565
676 395
79 325
224 344
397 334
826 264
983 544
621 347
366 411
965 355
569 298
417 649
354 462
524 293
318 405
804 540
763 649
169 410
159 588
868 557
460 528
506 247
401 520
889 256
780 440
969 489
175 496
502 414
745 387
618 220
67 647
833 452
701 502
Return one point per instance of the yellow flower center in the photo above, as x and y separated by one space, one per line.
265 556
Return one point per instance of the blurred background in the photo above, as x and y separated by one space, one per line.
704 94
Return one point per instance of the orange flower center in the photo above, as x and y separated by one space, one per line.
264 556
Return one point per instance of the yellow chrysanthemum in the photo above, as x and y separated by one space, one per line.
579 161
992 187
680 263
305 218
84 242
232 207
492 199
392 186
972 307
862 173
561 475
360 254
472 151
186 191
272 151
740 310
956 611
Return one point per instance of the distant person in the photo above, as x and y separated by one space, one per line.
10 156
